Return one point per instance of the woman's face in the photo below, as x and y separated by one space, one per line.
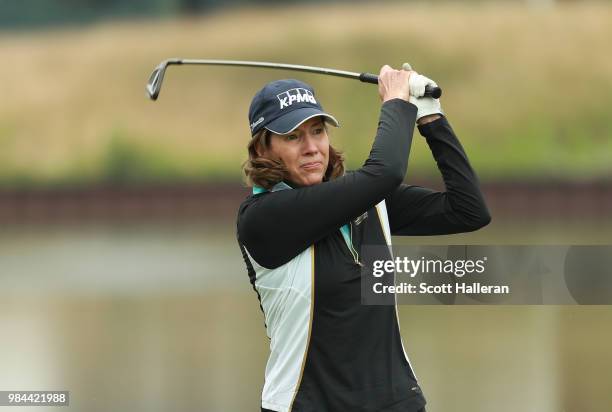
304 152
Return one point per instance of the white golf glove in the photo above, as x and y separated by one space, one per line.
425 105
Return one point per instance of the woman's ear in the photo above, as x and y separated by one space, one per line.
261 149
264 146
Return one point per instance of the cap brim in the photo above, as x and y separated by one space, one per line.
292 120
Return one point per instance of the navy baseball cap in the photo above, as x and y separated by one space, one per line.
282 105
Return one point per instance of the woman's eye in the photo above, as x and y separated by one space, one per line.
318 131
291 137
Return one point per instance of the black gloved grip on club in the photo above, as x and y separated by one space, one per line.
434 92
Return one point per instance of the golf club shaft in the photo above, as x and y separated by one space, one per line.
157 76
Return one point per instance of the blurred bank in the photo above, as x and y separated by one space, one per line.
522 88
120 278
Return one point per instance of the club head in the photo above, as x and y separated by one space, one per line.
155 80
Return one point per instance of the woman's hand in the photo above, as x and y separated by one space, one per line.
393 84
429 109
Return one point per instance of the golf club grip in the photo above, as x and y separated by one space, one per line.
434 92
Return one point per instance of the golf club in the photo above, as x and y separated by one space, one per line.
157 77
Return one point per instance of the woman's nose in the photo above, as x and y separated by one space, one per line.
310 144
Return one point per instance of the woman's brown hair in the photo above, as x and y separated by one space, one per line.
264 172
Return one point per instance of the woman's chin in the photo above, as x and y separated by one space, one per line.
311 179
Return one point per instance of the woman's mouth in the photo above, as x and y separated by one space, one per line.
312 165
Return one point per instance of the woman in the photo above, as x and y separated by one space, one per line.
302 230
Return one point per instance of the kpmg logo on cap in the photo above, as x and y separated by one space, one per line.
297 95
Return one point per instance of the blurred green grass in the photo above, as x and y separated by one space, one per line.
524 90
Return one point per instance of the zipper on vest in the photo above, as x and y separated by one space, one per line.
352 249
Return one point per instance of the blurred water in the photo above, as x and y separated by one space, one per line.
158 316
119 258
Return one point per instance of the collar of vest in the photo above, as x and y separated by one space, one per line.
275 188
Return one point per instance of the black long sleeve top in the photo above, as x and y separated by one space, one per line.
328 351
